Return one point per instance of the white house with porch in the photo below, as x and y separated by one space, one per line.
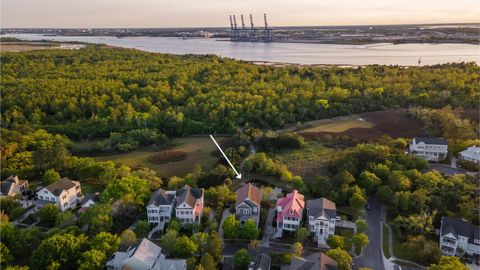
471 154
322 216
160 207
189 206
431 149
459 237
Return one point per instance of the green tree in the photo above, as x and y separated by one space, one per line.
91 260
336 241
208 262
448 263
97 218
241 259
127 238
369 181
215 246
360 240
49 177
48 214
250 230
184 247
168 241
297 249
142 228
5 255
61 249
231 227
301 234
362 225
343 259
106 242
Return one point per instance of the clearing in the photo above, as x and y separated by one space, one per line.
199 150
363 126
20 46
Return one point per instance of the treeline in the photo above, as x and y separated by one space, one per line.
95 91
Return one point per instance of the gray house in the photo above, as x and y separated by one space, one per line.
315 261
248 202
457 237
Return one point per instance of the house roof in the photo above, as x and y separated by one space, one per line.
189 195
262 262
316 261
144 256
58 187
458 226
292 205
249 193
439 141
95 197
161 197
321 207
7 186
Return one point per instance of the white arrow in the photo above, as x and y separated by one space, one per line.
239 175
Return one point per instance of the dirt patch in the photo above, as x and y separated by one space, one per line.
394 123
168 156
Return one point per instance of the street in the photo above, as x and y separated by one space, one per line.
372 254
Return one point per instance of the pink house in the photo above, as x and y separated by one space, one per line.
290 212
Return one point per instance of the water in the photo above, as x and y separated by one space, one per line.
299 53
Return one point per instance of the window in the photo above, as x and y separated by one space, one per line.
41 197
65 205
46 192
64 197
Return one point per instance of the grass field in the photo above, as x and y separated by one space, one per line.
385 241
199 151
25 46
363 126
307 162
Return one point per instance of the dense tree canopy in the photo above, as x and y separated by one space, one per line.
97 90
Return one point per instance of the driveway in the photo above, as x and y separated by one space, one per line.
372 254
268 230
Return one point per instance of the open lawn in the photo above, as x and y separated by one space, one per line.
385 241
26 46
364 126
199 150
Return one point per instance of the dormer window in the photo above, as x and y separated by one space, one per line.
291 212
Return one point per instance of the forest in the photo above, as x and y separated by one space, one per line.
95 91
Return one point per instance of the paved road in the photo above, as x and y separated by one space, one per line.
445 169
372 254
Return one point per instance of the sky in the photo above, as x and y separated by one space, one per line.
214 13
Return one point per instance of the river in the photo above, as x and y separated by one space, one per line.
298 53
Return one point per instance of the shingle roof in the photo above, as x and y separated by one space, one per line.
144 256
426 140
161 197
95 197
7 186
458 226
316 261
189 195
321 207
250 192
61 185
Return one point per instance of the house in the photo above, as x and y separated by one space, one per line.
289 212
89 200
247 205
431 149
189 205
457 237
471 154
13 186
160 207
261 262
65 193
144 256
321 218
316 261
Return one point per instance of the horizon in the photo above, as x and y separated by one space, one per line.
214 13
275 26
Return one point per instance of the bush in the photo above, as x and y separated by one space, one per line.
17 212
167 156
468 165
